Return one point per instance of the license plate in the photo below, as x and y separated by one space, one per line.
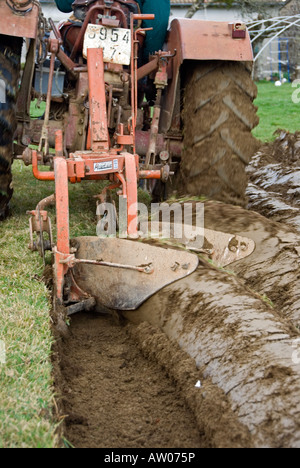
115 42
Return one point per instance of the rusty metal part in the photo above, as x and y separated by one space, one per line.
97 99
24 97
83 306
102 162
165 173
238 30
103 195
163 142
91 17
20 7
44 141
222 248
54 29
160 82
226 248
164 156
150 174
147 69
40 223
71 261
98 166
73 293
48 201
27 156
213 38
32 134
121 289
24 25
67 62
152 150
134 67
40 175
77 119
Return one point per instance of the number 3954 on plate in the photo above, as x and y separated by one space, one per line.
115 42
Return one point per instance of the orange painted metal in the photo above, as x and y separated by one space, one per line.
213 39
103 195
15 25
97 98
132 195
150 175
125 140
59 148
134 67
62 249
99 162
122 179
147 69
36 172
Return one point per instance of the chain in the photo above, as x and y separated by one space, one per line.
43 28
20 9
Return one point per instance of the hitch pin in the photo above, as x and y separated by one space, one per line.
71 261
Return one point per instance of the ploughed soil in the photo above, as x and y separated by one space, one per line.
113 396
274 188
127 382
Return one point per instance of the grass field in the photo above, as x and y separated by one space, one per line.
26 391
276 109
26 387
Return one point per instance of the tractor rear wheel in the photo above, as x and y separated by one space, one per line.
218 117
10 57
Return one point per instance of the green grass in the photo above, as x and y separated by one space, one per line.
276 110
26 392
26 387
36 111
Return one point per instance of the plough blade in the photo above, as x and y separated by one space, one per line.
220 247
122 274
223 248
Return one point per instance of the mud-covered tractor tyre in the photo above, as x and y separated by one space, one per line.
218 118
10 58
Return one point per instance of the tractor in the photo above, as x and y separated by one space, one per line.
180 120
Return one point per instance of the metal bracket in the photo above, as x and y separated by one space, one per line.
40 223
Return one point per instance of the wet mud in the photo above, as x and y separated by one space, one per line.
114 397
130 381
274 188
